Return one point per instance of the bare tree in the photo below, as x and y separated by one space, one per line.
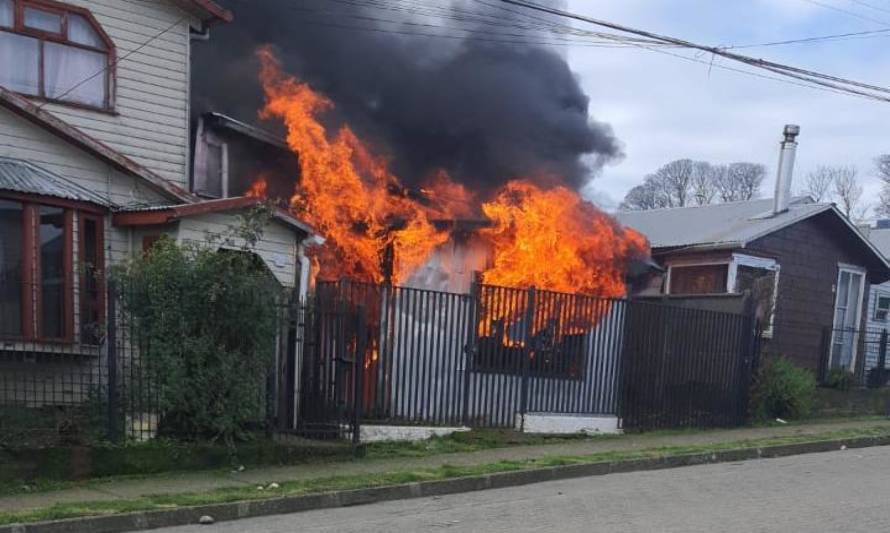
675 179
740 182
704 189
686 182
848 192
644 196
820 183
882 165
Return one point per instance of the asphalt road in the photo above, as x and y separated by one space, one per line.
843 491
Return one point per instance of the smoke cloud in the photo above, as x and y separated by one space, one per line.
479 92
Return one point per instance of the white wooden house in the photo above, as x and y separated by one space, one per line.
95 148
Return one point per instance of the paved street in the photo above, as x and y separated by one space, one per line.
843 491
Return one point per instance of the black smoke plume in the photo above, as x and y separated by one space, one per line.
474 88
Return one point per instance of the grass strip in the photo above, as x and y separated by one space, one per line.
348 482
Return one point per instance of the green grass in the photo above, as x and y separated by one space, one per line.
347 482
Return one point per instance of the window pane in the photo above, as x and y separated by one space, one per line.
52 271
20 57
6 13
11 248
90 316
761 283
213 186
43 20
705 279
66 67
81 31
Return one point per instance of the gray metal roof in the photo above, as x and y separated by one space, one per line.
716 226
880 238
25 177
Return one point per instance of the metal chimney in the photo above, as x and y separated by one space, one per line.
786 168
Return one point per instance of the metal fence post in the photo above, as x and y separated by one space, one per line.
526 354
825 355
358 369
470 348
112 356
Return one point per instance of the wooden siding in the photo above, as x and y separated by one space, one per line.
808 254
277 247
150 123
24 140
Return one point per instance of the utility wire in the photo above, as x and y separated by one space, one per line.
117 61
826 80
847 12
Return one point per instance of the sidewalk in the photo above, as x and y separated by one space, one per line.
197 482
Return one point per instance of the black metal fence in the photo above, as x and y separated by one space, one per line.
686 367
485 358
398 355
854 356
83 388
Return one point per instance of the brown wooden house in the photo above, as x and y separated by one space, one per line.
808 267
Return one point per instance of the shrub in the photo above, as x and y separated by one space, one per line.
205 322
782 390
840 379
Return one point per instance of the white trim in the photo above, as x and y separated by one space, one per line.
853 269
764 263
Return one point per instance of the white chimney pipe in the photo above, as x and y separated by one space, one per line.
786 169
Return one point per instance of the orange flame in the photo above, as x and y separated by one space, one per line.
547 238
554 240
259 188
346 191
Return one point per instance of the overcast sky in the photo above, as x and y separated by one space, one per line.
663 108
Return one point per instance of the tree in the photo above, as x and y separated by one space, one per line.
882 164
820 183
740 181
686 182
703 184
848 192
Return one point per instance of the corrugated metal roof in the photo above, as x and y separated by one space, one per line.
26 177
718 225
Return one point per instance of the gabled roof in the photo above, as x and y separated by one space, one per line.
154 215
27 110
724 225
25 177
731 225
212 11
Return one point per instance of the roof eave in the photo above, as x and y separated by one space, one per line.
24 108
216 13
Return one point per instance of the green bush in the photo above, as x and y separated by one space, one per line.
840 379
782 390
204 320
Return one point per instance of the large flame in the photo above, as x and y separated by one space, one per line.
554 240
547 238
346 191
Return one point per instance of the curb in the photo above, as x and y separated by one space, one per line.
291 504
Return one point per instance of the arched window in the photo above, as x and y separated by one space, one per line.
56 52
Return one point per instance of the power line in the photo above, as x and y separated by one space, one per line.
826 80
871 6
847 12
117 61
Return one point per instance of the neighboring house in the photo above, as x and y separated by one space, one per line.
95 157
807 266
878 311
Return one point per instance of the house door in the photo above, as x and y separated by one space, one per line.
847 315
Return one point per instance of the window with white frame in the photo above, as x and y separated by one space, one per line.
758 276
882 307
56 52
